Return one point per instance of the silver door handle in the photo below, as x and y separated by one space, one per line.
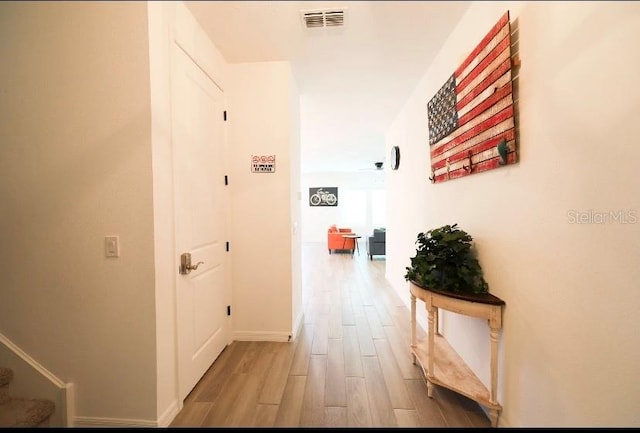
185 264
194 267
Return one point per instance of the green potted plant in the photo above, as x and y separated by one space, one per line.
445 261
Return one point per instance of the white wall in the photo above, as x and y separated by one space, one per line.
75 166
294 200
570 349
169 21
317 219
260 109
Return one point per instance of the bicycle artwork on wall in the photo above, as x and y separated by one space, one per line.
323 196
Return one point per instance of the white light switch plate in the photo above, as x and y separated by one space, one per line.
111 246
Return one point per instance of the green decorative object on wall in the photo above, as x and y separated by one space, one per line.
503 149
445 261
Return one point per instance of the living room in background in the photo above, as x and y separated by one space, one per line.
378 208
354 210
377 243
323 196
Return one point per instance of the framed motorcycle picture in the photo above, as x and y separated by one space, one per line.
323 196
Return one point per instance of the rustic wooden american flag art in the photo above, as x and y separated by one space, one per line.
471 117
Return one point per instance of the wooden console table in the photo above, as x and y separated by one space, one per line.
445 367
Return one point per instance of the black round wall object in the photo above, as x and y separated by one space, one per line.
395 157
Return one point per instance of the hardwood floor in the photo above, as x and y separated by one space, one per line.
350 366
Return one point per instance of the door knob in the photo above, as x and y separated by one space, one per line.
185 264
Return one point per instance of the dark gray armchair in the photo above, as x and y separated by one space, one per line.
376 244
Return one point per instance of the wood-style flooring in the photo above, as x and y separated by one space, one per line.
350 365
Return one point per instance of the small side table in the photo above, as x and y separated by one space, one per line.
355 238
440 363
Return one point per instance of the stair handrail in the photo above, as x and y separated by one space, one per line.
68 411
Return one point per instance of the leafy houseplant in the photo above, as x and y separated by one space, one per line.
444 261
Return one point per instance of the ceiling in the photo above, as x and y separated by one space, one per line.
353 80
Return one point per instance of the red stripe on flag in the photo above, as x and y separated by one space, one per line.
493 142
455 158
494 30
487 103
498 84
494 163
480 147
504 67
490 122
449 148
478 168
480 68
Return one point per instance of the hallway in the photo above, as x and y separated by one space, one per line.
350 365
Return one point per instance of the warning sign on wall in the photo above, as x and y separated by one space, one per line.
263 164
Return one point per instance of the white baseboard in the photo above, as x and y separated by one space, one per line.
298 324
262 336
165 419
88 421
168 415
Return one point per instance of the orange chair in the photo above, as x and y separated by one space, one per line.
335 241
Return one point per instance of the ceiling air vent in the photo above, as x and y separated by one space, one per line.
323 18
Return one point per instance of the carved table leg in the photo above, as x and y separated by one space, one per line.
494 365
432 336
413 328
493 396
493 416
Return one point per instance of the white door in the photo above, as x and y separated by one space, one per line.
201 207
